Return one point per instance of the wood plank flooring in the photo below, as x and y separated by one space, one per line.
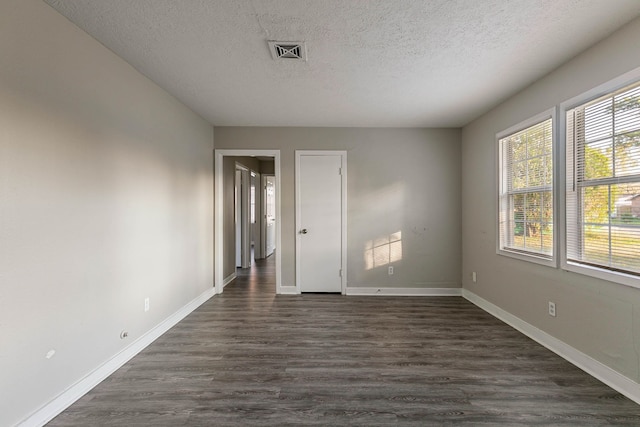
251 358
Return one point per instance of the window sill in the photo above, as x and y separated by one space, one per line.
603 274
542 260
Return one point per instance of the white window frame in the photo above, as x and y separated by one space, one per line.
552 260
604 89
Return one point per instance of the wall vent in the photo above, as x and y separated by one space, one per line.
288 50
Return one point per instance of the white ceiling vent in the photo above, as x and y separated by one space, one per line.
288 50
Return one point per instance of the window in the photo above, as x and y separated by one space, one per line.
526 219
603 184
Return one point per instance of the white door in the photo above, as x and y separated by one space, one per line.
270 214
319 206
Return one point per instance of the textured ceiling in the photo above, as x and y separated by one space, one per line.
391 63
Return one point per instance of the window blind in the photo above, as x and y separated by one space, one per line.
526 190
603 182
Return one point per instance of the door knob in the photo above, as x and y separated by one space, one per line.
303 231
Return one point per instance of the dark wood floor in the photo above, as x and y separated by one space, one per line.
249 357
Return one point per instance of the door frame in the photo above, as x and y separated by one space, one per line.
219 209
343 219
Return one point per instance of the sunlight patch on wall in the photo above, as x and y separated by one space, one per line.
383 250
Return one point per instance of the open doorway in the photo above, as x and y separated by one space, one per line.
241 198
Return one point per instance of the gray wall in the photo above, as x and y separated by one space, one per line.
404 180
594 316
106 198
267 167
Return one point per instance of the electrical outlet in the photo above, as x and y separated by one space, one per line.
474 277
552 309
146 304
390 270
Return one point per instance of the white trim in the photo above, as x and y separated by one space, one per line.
549 262
278 251
596 369
245 223
343 175
288 290
50 410
219 208
601 273
230 278
415 292
218 230
343 243
297 219
551 113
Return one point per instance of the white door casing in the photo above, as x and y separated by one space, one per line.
321 221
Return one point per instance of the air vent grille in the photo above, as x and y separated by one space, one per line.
288 50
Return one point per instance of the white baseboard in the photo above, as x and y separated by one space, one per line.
47 412
288 290
230 278
414 292
610 377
